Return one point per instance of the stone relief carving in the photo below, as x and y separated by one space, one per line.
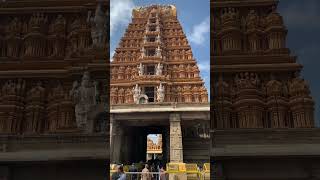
140 69
158 38
143 52
144 39
160 93
99 27
159 68
84 98
158 51
35 109
136 93
57 38
247 80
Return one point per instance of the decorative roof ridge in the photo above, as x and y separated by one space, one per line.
154 5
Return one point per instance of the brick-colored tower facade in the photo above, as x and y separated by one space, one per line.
257 82
154 62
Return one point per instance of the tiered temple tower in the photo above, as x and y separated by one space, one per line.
257 82
156 88
262 117
154 62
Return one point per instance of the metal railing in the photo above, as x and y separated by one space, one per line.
158 175
138 175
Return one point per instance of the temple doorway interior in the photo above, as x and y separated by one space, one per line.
154 147
134 143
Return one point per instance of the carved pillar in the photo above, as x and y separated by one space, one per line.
116 140
176 149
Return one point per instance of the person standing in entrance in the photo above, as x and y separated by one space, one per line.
122 175
133 169
145 173
162 174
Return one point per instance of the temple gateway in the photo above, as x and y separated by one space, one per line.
156 89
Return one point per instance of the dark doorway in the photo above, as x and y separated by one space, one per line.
151 70
149 91
134 145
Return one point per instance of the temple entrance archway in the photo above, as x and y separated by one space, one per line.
184 134
133 148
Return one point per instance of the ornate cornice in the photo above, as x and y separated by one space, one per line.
244 3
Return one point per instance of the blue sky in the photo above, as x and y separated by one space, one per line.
302 19
194 18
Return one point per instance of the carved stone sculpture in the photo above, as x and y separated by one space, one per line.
141 69
84 98
160 93
158 52
35 110
99 28
136 93
159 69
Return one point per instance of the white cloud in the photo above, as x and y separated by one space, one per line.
120 13
153 137
204 67
199 32
111 56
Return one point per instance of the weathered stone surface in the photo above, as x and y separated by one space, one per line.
263 112
256 78
44 47
154 52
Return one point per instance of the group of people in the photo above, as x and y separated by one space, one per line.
152 170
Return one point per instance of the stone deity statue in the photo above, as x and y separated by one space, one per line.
140 69
158 51
136 93
84 98
143 52
160 93
99 27
144 39
159 69
158 38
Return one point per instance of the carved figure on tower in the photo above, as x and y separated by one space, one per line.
158 38
140 69
158 51
136 93
144 39
160 93
99 28
35 109
143 52
83 96
159 69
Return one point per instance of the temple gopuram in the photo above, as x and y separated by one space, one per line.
154 149
53 96
156 89
262 110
